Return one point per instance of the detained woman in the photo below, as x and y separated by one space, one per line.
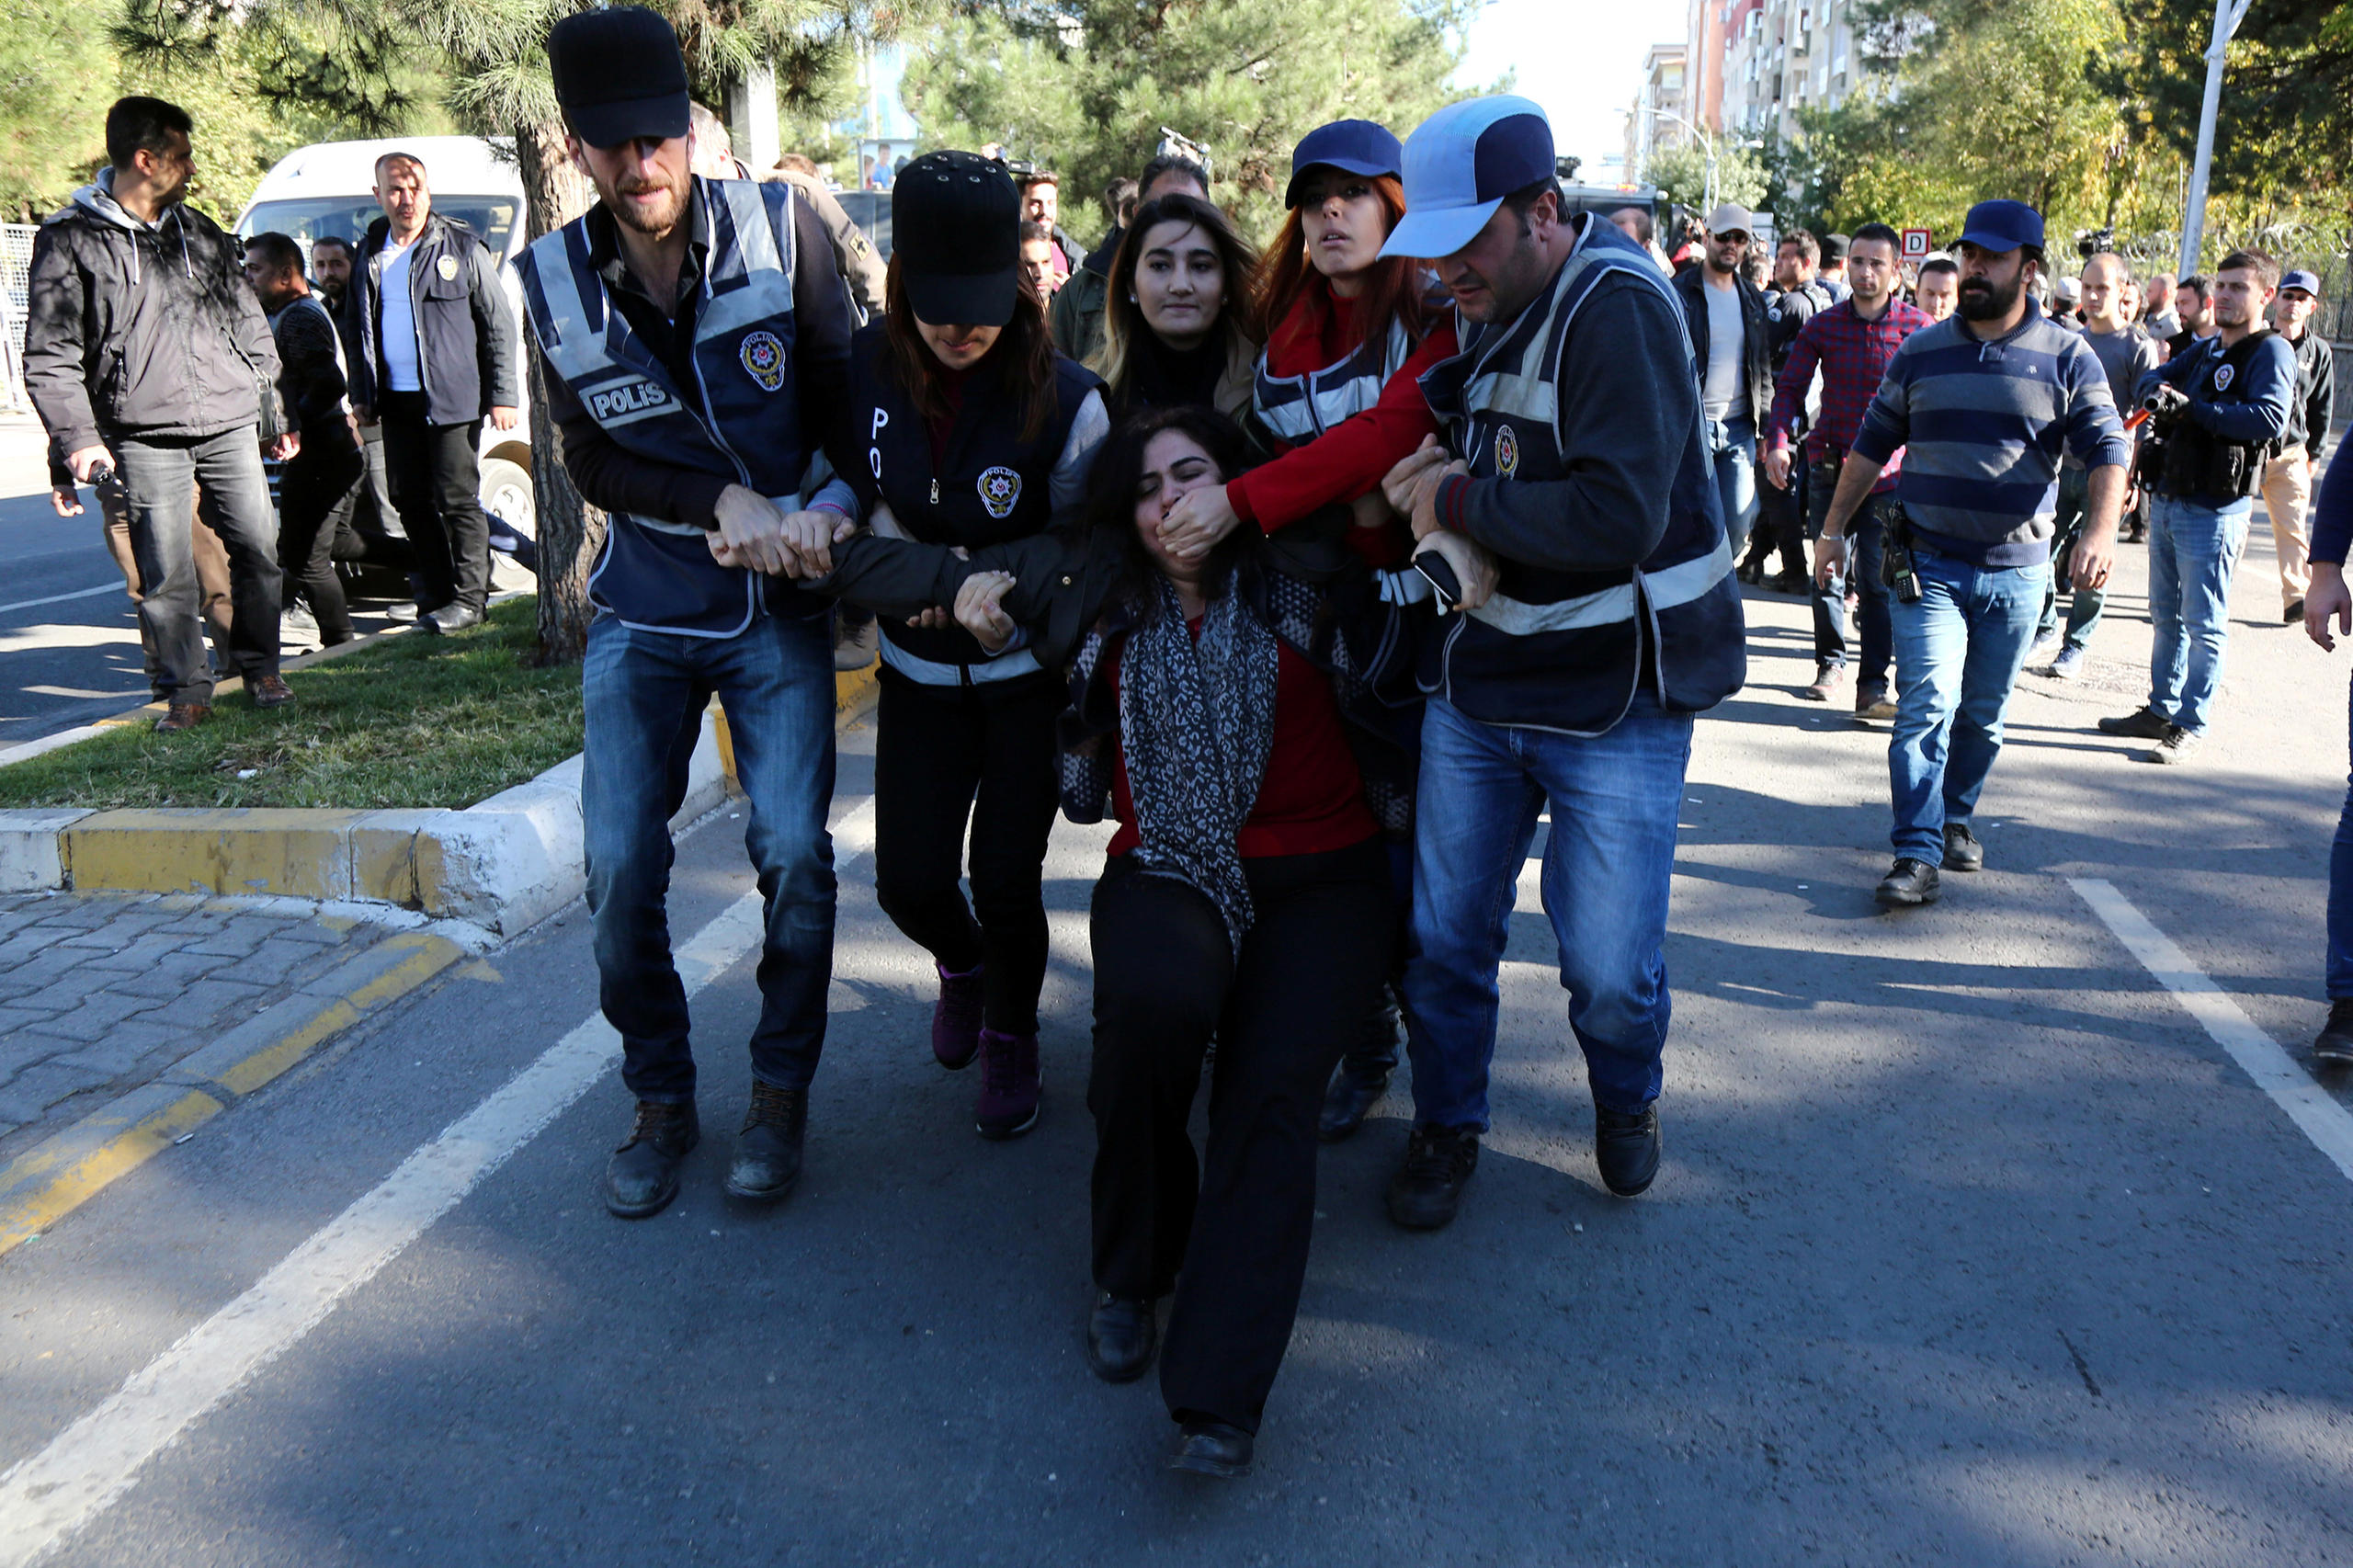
1231 714
979 434
1180 321
1337 394
1228 710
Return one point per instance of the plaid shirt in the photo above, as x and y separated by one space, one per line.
1853 355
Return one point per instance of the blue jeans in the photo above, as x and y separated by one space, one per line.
2084 609
2193 549
2340 902
1607 868
161 478
1731 451
1957 655
645 692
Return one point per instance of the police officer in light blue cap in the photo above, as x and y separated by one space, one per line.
1575 503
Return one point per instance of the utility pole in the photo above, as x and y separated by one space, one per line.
2228 15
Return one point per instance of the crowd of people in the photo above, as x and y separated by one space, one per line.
1328 573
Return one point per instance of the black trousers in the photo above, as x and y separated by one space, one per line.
1229 1237
944 755
1780 520
315 496
435 476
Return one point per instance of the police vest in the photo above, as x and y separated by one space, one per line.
2198 463
1566 651
741 419
1297 409
990 486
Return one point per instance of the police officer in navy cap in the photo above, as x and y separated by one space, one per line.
973 432
696 347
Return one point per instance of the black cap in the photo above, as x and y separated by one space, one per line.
619 75
1834 247
956 236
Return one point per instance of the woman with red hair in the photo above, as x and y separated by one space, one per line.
1348 335
1337 395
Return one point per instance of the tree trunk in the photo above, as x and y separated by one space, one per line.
570 530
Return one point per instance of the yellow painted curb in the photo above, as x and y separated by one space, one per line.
51 1180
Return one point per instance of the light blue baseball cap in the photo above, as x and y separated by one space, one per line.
1460 164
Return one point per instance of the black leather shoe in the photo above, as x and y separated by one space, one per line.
643 1176
450 618
1908 881
1120 1335
1625 1145
1212 1447
2334 1044
1353 1091
1963 852
767 1152
2144 723
1427 1188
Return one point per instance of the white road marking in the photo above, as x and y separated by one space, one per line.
61 598
2328 1124
90 1464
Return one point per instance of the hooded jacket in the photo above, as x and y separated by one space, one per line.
142 330
465 331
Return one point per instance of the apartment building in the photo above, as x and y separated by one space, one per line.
1662 103
1773 58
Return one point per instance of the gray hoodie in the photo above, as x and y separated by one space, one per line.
142 330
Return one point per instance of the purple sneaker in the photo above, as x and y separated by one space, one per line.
1010 1085
956 1018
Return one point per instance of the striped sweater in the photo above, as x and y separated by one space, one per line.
1983 425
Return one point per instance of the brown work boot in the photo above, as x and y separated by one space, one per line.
183 716
271 691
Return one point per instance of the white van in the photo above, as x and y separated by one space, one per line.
329 188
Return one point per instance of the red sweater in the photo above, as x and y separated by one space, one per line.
1311 798
1349 460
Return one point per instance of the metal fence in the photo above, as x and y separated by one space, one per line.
2324 250
15 261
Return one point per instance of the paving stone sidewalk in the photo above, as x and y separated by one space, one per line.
99 993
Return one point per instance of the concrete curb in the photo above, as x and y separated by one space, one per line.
503 864
516 855
49 1181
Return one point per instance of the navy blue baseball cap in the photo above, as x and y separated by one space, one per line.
2000 226
1459 164
1355 146
2304 280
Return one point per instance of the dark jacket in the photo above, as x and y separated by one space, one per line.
1305 584
2315 405
989 482
142 330
1756 351
465 331
1075 317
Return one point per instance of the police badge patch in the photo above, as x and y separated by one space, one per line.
2222 376
447 267
1506 452
763 357
1000 488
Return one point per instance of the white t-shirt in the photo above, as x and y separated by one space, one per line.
402 373
1724 390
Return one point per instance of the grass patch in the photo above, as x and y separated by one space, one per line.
408 722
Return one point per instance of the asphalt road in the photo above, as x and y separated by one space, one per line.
1974 1244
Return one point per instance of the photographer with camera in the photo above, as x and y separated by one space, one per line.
2220 406
1982 404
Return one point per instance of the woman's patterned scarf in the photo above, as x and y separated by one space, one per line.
1197 718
